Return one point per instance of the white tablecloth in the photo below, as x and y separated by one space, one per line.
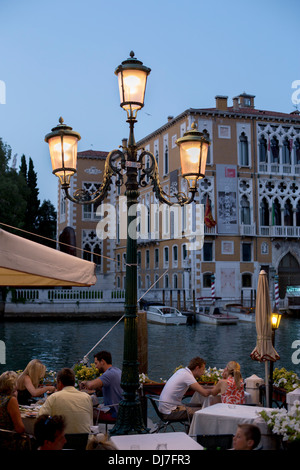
222 418
212 400
173 441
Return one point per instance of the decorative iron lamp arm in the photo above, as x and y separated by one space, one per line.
82 196
153 173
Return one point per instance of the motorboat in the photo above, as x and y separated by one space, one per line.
243 313
165 315
208 311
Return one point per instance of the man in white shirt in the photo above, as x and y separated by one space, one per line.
170 401
75 406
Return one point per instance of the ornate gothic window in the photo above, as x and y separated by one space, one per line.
286 152
244 150
263 155
274 146
264 213
288 213
297 152
245 211
276 213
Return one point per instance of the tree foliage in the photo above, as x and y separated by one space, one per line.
20 206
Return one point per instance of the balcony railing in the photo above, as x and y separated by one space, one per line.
279 231
279 168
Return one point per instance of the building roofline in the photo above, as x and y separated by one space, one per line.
246 113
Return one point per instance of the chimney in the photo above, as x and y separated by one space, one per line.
170 118
235 102
221 102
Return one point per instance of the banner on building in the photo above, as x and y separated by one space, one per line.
227 199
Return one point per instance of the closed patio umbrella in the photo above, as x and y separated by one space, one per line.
264 350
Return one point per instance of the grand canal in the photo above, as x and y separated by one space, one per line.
63 343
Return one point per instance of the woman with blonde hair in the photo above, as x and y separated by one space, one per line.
231 386
29 380
10 416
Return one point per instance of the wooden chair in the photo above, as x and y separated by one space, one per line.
164 422
11 440
105 418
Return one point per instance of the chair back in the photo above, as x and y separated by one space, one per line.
11 440
154 400
215 441
76 441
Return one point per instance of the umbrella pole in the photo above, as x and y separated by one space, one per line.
267 384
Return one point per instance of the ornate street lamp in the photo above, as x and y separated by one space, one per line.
132 78
275 321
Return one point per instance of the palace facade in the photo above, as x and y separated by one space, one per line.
250 195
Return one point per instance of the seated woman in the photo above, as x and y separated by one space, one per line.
28 382
10 417
231 386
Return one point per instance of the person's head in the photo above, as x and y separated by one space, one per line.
233 369
197 366
65 378
103 359
247 437
36 370
49 432
8 382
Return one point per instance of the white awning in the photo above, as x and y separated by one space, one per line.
25 263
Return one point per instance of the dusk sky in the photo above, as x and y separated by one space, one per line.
58 59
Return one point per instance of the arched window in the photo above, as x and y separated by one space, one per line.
297 151
97 258
87 255
166 160
286 152
298 214
264 213
274 150
175 281
276 213
288 214
207 280
246 280
244 150
245 211
263 155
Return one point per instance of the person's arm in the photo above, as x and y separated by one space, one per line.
92 384
37 392
216 389
14 413
198 388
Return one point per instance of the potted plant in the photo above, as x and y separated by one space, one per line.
285 424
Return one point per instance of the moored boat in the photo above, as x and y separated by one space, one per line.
243 313
208 311
165 315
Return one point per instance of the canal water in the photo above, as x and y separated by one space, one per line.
62 343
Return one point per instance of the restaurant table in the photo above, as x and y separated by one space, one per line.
167 441
223 418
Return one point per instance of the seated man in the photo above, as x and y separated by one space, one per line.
109 383
170 401
75 406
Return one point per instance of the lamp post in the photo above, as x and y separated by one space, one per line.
132 79
275 321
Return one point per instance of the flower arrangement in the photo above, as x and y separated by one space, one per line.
211 375
288 380
284 423
144 379
84 372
